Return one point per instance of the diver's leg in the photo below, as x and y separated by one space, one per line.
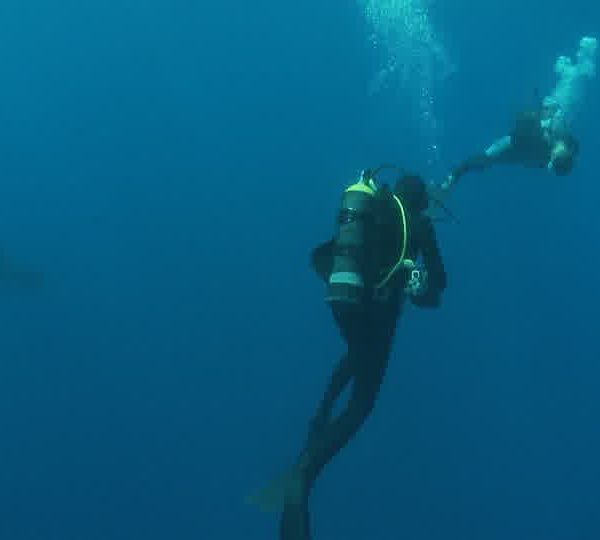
340 378
295 519
282 493
369 334
365 389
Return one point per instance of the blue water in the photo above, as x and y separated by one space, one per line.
169 166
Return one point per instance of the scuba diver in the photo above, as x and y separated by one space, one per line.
540 138
369 269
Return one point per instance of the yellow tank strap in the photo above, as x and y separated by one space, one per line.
362 187
402 262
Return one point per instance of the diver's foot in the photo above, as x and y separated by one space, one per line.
297 487
295 522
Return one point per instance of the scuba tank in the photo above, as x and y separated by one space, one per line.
353 273
370 246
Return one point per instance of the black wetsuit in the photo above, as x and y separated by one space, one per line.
368 330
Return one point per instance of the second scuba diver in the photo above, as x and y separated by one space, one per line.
369 269
540 138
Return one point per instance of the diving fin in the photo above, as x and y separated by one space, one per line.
290 488
272 497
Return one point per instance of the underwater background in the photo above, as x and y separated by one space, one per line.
168 166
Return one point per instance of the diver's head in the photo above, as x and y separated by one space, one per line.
413 192
562 158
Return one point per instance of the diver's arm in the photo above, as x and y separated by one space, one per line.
434 264
474 163
494 154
